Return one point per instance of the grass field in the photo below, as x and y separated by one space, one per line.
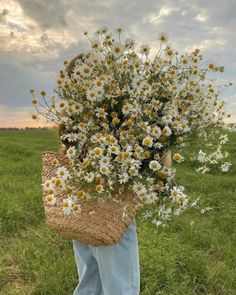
196 254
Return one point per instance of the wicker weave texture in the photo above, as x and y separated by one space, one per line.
98 223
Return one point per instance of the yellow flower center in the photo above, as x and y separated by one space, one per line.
174 193
147 141
129 122
132 171
146 154
75 207
122 142
116 121
112 139
86 70
101 112
98 187
117 50
126 154
181 199
57 181
65 204
97 151
155 103
154 165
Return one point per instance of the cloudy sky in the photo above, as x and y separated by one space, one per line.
36 36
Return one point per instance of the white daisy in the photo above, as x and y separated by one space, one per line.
148 141
71 108
63 173
130 43
123 177
154 165
99 188
225 166
133 171
178 158
175 191
105 160
166 131
113 149
183 126
201 156
156 131
145 49
97 151
203 169
89 177
95 44
139 188
85 70
61 105
92 94
51 200
150 198
48 185
72 137
99 83
167 119
157 222
117 49
104 170
101 113
67 205
71 152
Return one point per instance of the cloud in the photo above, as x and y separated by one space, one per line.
202 16
49 14
158 17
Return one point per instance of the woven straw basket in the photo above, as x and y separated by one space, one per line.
98 223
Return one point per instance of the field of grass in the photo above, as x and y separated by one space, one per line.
196 254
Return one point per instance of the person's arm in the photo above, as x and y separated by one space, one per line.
168 159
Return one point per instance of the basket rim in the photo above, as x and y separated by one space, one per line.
51 152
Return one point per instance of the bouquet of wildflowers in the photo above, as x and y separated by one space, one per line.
129 108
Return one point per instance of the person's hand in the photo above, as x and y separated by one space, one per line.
168 159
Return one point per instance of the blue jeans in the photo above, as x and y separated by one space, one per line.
109 270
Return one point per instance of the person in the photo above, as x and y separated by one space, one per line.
109 269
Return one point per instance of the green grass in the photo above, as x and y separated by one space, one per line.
196 254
